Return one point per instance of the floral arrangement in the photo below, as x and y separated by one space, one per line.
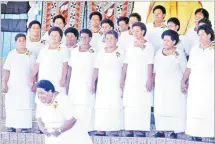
55 104
29 53
117 54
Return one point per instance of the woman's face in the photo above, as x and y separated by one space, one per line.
198 17
71 38
21 42
106 27
132 20
44 96
158 15
137 32
110 40
168 42
203 37
55 37
59 23
35 30
95 21
85 39
172 26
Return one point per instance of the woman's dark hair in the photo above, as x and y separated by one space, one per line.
112 32
160 7
96 13
173 34
72 30
86 31
19 35
46 85
34 22
175 21
56 29
61 17
203 11
135 15
208 30
122 18
141 25
205 21
110 22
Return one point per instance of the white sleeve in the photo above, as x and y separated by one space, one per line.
65 55
182 61
150 55
7 64
191 58
97 60
41 55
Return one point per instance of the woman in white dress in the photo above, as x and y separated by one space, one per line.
80 73
156 28
56 119
169 102
108 104
191 36
58 21
52 62
33 41
18 98
174 24
72 36
200 99
106 25
137 78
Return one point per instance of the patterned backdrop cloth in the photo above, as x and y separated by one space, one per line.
110 10
72 11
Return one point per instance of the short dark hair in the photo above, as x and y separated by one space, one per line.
96 13
56 29
135 15
173 34
72 30
123 18
108 21
205 21
112 32
46 85
208 30
34 22
19 35
203 11
61 17
141 25
160 7
86 31
175 21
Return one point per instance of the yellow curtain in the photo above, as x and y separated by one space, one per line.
184 11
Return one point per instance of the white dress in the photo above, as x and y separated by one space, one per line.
136 99
153 35
54 117
94 41
34 47
169 101
80 84
51 65
108 105
200 101
191 39
19 99
124 40
100 44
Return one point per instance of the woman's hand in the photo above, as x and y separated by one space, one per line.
5 89
184 87
34 87
93 88
63 82
149 85
56 133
